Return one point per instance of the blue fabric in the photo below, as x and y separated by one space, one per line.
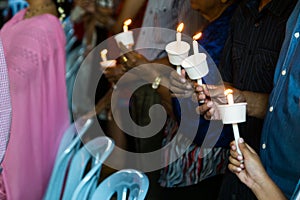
212 40
281 131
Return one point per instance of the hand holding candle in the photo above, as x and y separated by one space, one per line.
107 63
229 96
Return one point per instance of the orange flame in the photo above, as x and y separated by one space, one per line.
180 27
228 91
197 36
127 22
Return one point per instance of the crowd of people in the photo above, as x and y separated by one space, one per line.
252 48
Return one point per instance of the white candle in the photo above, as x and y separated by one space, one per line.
199 81
178 69
103 54
178 34
195 47
235 127
195 43
178 37
126 24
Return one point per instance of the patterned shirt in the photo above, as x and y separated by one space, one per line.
5 104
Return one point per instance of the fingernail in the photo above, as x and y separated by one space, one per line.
182 80
241 140
242 166
189 87
240 157
239 169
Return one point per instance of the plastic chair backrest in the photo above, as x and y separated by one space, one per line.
96 150
17 5
127 184
63 158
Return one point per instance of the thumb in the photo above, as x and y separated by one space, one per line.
245 148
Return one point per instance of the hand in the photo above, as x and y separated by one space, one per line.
248 167
131 58
114 73
181 87
213 95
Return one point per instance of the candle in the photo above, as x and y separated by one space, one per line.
229 96
103 54
199 82
126 24
178 34
178 40
195 43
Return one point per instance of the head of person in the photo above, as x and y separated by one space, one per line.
211 9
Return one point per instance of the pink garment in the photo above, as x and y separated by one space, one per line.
35 54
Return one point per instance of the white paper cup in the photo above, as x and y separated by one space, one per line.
195 66
126 38
177 53
108 63
235 113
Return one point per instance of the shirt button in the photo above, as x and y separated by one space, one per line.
283 72
271 109
263 146
297 35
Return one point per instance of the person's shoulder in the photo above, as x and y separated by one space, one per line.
47 21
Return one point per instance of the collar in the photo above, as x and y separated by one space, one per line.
276 7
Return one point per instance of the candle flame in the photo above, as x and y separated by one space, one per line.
180 27
197 36
127 22
228 91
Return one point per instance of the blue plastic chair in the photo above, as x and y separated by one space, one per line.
67 149
127 184
96 150
17 5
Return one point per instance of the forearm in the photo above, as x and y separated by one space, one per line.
129 10
257 103
267 190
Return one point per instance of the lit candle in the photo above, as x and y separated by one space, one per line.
126 24
195 43
178 40
178 34
229 95
103 54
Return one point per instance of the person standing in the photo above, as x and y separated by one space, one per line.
279 149
34 46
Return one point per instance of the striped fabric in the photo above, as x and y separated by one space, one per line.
192 167
5 105
251 53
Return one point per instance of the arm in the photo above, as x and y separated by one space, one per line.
252 173
129 10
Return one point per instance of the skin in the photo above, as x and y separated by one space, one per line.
251 172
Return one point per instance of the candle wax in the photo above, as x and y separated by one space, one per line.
195 47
